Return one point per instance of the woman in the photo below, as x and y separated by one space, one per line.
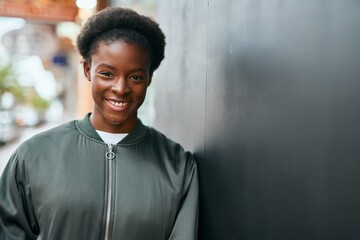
106 176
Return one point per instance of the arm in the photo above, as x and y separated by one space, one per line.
186 223
16 221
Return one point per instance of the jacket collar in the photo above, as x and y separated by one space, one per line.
134 136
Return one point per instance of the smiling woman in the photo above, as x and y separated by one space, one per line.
120 75
107 176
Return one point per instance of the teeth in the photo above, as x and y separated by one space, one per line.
118 104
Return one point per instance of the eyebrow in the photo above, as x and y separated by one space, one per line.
105 65
113 68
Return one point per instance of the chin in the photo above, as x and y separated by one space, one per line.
116 121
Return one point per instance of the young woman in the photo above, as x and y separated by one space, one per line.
106 176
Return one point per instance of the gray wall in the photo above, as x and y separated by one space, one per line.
267 95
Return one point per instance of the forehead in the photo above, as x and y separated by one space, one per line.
121 52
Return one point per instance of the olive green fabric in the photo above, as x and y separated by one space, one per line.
56 186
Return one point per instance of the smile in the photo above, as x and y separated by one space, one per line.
118 103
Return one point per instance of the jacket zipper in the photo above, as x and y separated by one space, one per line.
110 155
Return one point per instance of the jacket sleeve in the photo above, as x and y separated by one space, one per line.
186 223
16 220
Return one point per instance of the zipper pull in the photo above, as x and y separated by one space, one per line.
110 155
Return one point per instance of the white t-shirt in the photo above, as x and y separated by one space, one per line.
112 138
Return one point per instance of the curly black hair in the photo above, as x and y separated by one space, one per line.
115 23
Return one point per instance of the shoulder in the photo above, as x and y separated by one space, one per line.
162 140
48 137
167 145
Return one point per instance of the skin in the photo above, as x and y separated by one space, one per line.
119 74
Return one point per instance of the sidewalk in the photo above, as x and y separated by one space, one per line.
8 149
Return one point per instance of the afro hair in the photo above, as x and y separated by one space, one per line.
129 23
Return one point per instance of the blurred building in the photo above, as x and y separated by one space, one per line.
40 71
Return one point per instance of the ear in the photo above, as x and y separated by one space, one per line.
86 68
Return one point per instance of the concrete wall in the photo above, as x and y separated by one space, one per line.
267 95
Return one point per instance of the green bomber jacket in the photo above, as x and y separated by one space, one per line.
66 183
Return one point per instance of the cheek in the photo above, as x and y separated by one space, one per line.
93 87
141 93
96 89
98 85
94 94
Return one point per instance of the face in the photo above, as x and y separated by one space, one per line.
119 75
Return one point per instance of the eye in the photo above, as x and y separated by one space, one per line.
137 77
105 73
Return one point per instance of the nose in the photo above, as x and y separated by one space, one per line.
120 86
